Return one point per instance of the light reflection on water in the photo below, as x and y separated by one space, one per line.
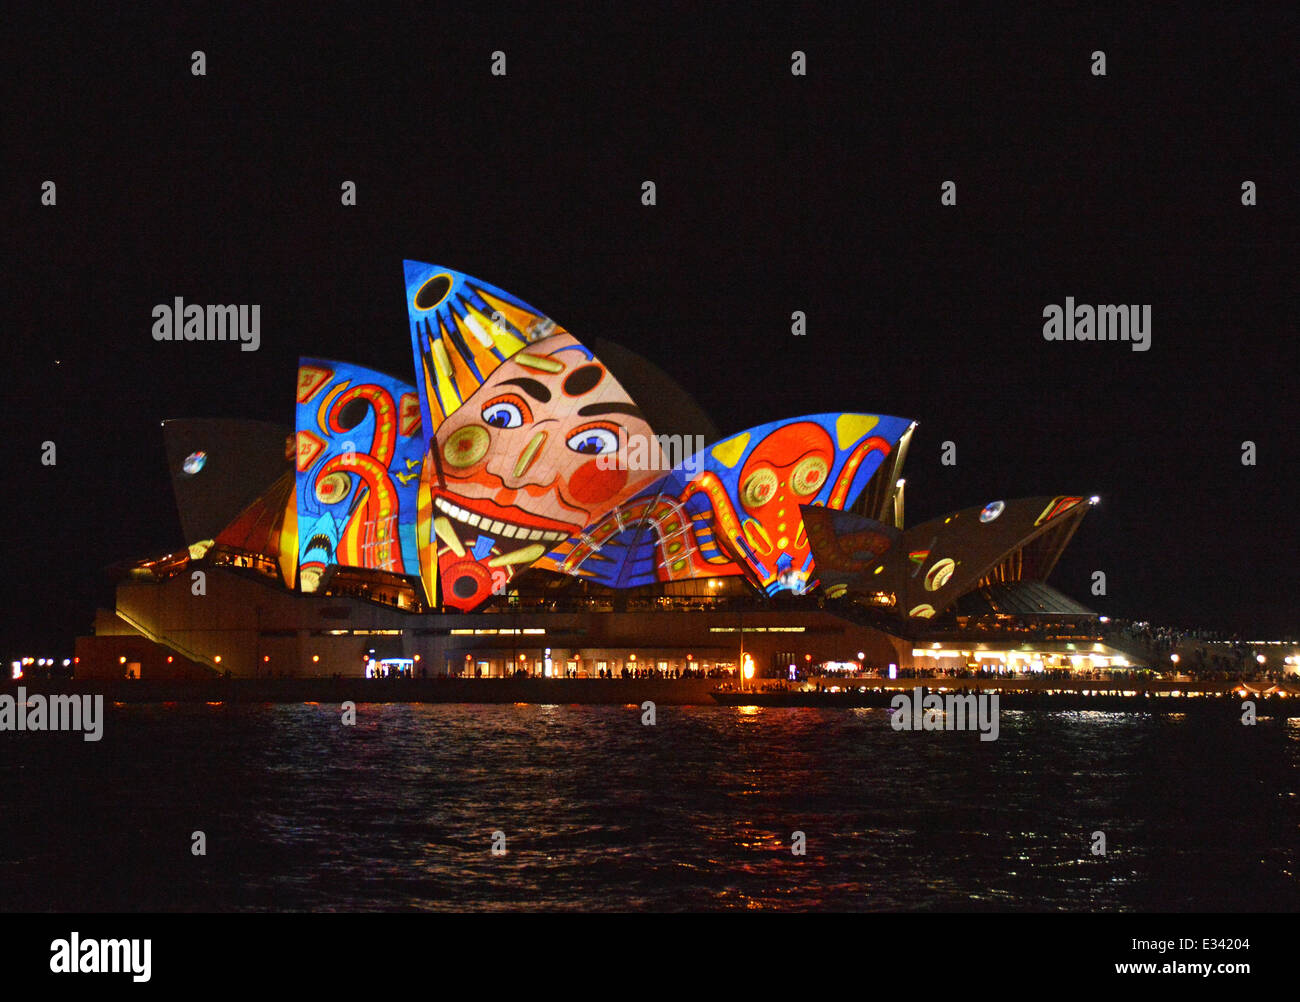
602 812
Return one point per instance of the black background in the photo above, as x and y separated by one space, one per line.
775 193
514 952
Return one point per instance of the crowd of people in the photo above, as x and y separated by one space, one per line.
1202 654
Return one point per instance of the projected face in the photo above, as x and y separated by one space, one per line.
785 470
519 464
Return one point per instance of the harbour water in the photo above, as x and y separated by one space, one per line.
602 812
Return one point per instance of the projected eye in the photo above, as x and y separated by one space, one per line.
759 489
505 414
808 476
593 441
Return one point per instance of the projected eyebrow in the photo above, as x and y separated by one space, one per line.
592 410
530 386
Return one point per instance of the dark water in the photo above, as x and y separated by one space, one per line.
601 812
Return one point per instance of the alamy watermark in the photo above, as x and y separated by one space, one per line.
951 711
662 453
179 322
75 955
53 713
1098 323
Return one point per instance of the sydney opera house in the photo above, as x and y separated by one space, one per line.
537 504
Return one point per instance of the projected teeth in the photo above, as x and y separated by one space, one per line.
496 527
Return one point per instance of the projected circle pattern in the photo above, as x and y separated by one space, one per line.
939 574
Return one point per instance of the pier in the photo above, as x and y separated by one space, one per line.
1156 696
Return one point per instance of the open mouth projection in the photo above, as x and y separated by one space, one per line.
320 541
496 527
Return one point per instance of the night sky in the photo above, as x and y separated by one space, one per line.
775 193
